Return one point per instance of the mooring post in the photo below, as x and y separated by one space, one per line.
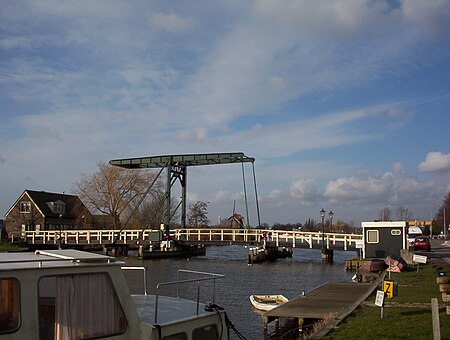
266 321
435 317
300 326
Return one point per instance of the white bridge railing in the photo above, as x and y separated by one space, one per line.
200 235
278 237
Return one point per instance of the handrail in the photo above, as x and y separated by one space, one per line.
178 281
214 276
144 273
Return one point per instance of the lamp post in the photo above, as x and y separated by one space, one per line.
60 226
331 220
322 214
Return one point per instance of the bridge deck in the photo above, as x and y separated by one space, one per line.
336 299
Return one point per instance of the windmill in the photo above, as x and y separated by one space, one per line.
237 220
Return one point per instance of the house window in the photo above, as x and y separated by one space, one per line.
9 306
59 208
25 207
79 306
372 236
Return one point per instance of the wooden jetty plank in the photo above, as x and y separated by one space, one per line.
337 299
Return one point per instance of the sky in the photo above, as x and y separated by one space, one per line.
345 105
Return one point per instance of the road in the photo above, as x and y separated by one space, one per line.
439 250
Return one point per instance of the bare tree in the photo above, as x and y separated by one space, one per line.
404 214
198 214
151 214
385 214
114 191
443 215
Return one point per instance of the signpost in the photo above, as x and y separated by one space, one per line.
390 288
359 245
379 301
419 259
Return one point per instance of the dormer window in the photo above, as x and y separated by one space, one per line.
25 207
58 207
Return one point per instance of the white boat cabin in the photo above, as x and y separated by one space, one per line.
69 294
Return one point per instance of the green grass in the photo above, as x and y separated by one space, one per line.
418 287
399 322
6 246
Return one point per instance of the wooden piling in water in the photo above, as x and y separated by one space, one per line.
353 265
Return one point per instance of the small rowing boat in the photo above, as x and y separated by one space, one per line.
267 302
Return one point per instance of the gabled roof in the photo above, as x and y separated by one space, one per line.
41 198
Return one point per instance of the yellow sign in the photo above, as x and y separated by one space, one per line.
388 288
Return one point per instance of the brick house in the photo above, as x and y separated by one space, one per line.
41 210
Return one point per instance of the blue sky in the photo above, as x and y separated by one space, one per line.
344 104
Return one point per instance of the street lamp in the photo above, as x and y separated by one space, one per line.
60 226
322 214
331 220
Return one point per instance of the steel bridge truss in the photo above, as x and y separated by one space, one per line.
176 170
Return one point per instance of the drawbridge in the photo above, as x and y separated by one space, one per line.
176 167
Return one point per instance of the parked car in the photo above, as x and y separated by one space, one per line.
422 243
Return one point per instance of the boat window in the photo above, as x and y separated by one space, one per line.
396 232
206 332
81 306
372 236
9 305
178 336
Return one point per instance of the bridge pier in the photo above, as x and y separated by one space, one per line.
115 249
327 255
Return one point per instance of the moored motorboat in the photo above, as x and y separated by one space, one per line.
267 302
69 294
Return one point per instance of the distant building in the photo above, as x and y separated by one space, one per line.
41 210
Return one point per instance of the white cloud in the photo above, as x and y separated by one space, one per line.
398 167
354 188
435 161
316 19
198 135
431 16
15 42
389 188
304 189
171 22
275 194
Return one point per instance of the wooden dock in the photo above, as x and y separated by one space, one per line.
332 301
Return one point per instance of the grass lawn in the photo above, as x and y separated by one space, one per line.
8 247
399 322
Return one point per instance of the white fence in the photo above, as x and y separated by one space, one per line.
202 235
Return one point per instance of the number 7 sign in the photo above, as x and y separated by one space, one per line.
390 288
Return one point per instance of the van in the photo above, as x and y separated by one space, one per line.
413 232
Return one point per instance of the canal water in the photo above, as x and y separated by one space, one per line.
289 277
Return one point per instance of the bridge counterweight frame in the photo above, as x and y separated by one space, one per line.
177 165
